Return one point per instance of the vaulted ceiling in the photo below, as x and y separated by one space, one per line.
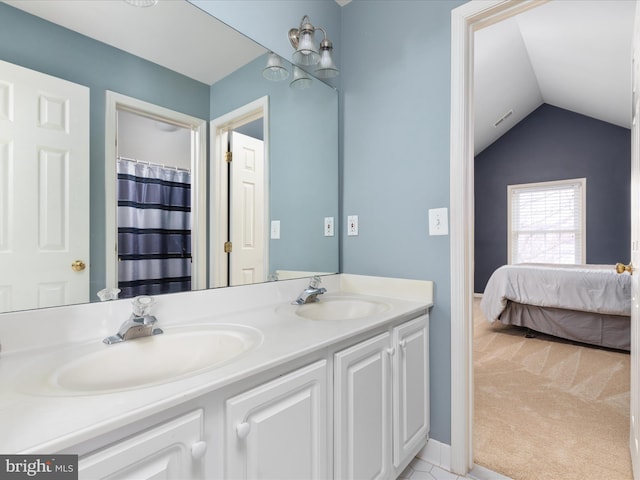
573 54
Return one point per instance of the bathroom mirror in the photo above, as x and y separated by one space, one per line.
303 162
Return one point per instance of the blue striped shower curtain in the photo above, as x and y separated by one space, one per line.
154 229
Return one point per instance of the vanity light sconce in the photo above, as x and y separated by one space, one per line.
300 81
274 70
307 54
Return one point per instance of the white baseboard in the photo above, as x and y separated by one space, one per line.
437 453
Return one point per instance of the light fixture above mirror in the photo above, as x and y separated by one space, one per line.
274 70
301 81
307 54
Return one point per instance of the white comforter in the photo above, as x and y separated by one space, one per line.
589 288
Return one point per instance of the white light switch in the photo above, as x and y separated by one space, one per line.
328 226
438 221
275 229
352 225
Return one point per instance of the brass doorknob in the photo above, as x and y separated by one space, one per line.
78 266
621 268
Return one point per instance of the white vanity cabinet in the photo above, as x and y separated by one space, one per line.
174 449
381 397
410 388
278 430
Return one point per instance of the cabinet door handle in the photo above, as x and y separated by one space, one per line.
403 344
391 351
242 429
198 450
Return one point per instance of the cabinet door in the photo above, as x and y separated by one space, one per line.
170 450
279 430
362 448
411 387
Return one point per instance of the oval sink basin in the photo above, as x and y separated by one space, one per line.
340 308
174 354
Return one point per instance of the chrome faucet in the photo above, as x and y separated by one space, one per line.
310 294
139 324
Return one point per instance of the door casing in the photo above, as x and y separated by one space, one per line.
219 191
465 21
198 127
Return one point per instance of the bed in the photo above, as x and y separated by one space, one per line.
584 303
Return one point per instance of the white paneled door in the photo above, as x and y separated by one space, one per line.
247 207
44 190
634 437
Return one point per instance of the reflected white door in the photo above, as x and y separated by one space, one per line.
634 436
247 210
44 190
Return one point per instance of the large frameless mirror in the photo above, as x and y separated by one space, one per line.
166 71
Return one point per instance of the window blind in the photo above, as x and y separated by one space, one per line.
547 222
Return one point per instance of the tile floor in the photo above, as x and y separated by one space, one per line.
419 469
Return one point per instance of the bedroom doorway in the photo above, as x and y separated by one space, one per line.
465 21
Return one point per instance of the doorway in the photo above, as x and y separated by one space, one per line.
124 151
239 200
465 21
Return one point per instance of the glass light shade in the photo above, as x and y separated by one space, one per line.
274 70
307 52
326 68
300 80
142 3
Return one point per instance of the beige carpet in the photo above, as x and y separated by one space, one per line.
547 409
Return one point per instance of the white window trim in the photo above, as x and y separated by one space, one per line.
555 183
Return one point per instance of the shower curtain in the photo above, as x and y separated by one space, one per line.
154 229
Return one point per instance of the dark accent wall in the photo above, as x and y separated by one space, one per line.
555 144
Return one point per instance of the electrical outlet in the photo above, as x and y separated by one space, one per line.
328 226
275 229
352 225
438 221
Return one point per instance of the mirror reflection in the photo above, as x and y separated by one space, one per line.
298 129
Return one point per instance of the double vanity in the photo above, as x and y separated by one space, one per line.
241 383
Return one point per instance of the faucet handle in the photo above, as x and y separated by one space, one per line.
142 305
315 281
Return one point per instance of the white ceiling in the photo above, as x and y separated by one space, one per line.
573 54
174 33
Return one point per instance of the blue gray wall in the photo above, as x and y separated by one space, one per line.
396 97
39 45
555 144
394 58
303 170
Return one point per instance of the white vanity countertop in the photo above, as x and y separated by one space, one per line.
38 423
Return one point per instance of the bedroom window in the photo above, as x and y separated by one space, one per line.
547 222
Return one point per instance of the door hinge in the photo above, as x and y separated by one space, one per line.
228 247
228 157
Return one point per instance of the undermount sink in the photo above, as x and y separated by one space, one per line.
340 308
177 353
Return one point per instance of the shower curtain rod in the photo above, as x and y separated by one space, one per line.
144 162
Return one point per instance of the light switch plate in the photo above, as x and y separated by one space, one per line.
328 226
275 229
438 221
352 225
